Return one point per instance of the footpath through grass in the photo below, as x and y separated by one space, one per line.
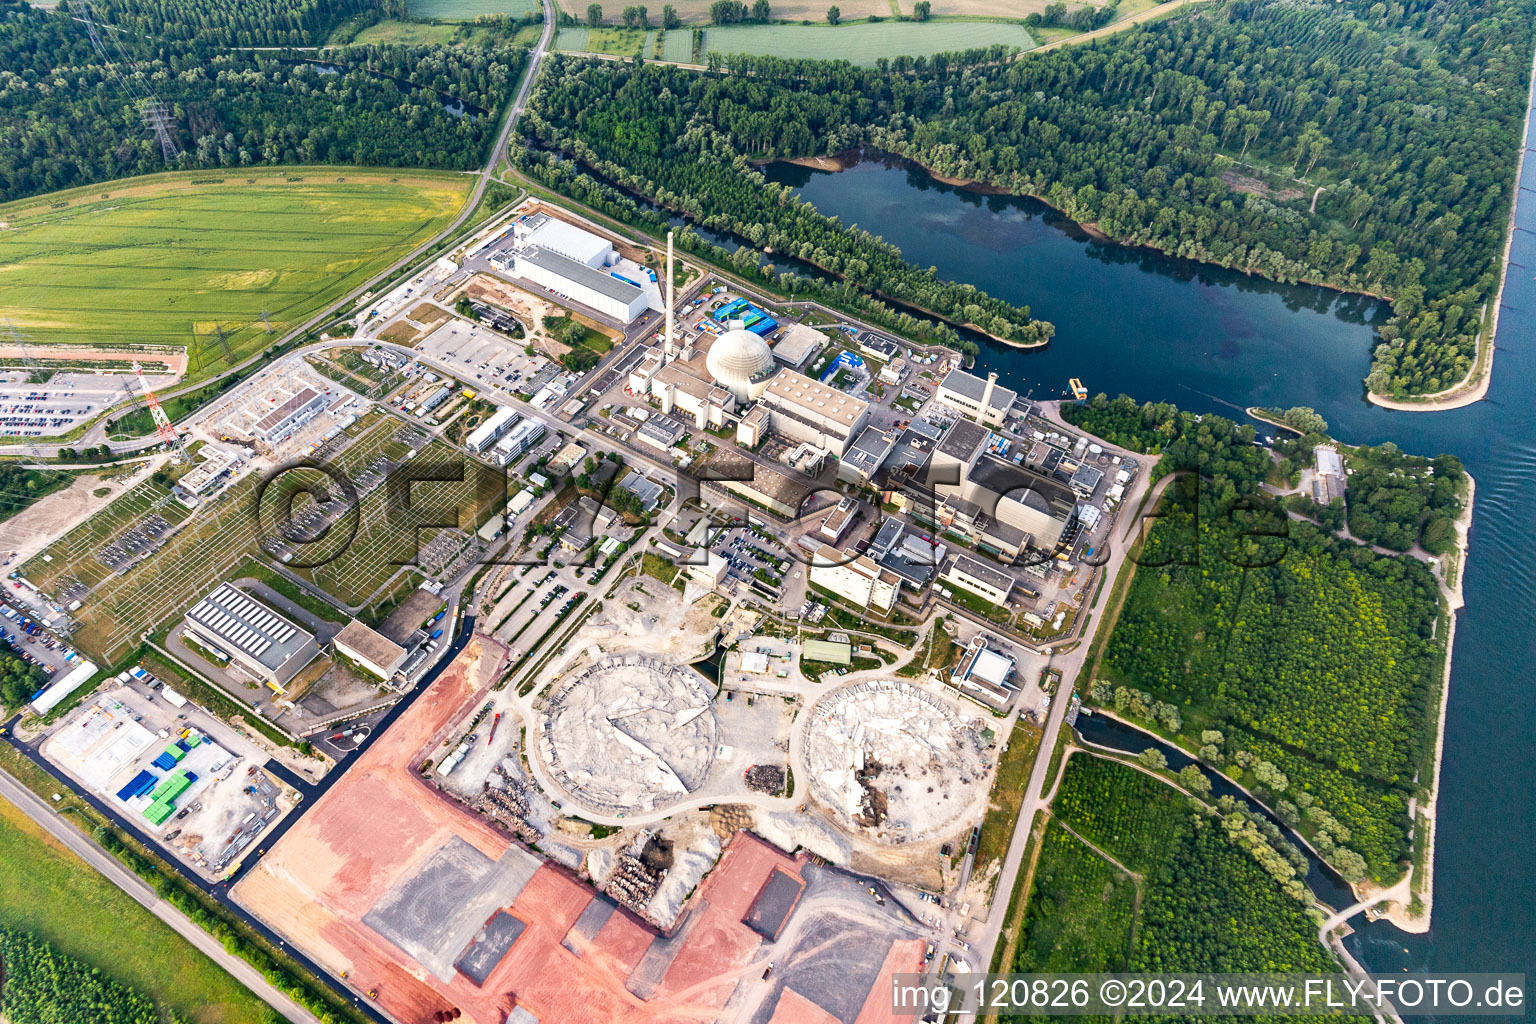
210 262
47 891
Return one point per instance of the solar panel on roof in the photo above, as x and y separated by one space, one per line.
262 647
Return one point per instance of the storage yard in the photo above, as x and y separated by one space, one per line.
175 772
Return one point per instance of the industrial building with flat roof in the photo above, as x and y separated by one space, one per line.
516 441
266 644
968 393
763 485
981 579
279 424
489 432
985 675
864 457
369 649
566 239
809 410
855 578
797 344
595 289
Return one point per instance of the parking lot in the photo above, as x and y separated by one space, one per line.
23 635
65 402
470 348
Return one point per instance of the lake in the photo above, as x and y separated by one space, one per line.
1164 329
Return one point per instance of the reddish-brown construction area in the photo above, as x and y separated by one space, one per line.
373 879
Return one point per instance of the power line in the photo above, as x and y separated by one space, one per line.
157 116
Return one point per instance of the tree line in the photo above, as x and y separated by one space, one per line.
379 106
1370 146
1221 888
642 128
46 986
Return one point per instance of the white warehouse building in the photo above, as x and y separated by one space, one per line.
517 441
595 289
564 239
489 432
267 645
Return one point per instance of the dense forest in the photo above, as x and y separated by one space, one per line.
45 986
385 106
1206 903
1363 144
146 24
18 680
1392 499
642 128
1305 665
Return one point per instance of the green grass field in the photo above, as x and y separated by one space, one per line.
864 43
164 260
621 42
49 892
677 46
469 10
406 33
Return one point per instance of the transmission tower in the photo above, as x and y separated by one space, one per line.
157 115
162 422
266 320
229 355
159 119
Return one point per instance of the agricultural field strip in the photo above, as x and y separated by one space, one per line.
172 245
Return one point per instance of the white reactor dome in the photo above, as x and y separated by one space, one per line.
741 362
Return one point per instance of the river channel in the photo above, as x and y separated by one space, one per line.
1165 329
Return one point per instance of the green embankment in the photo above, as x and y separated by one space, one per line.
50 893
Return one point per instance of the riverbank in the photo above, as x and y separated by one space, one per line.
1470 391
1254 412
1422 889
1473 387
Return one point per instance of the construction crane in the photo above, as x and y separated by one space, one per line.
162 422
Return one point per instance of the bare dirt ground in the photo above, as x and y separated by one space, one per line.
368 834
528 308
1254 186
35 527
174 361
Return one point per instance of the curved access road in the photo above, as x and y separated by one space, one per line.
81 846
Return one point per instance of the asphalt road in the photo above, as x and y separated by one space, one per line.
219 891
78 843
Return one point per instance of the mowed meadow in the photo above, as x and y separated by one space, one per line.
224 267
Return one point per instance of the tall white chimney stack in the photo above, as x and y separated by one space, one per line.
986 399
670 344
